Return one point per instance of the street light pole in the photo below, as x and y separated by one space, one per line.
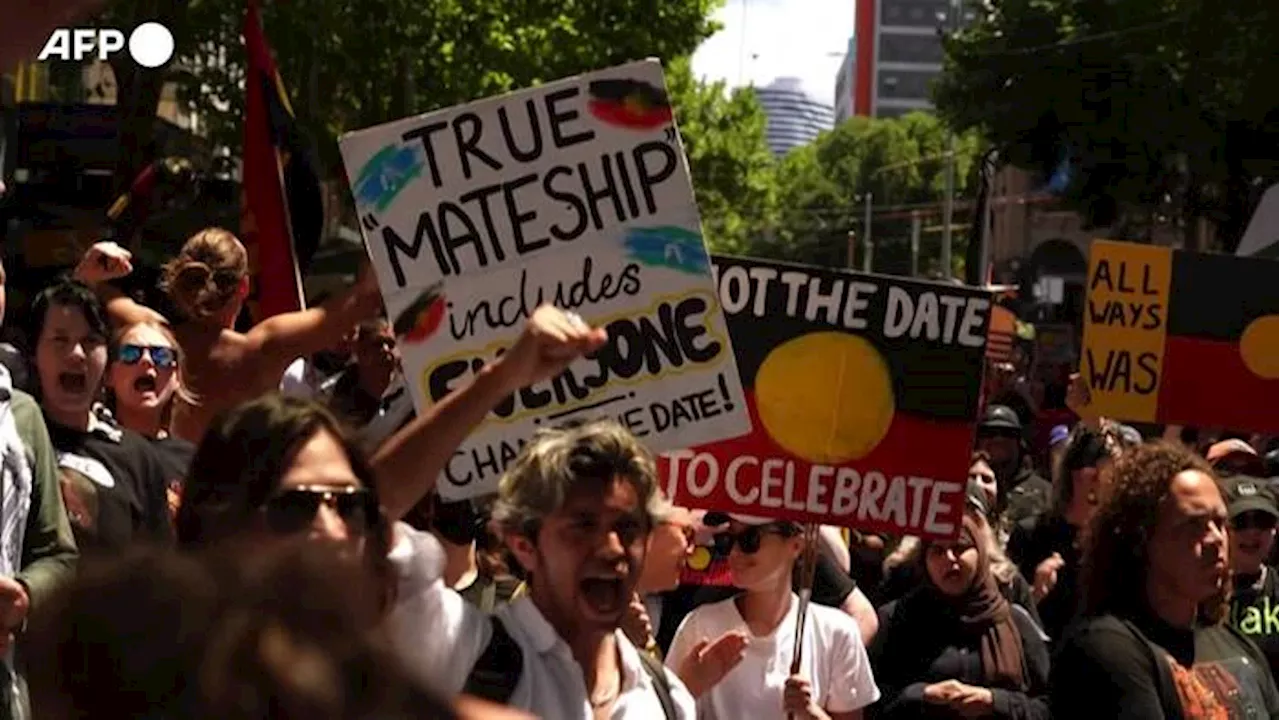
866 234
949 178
990 161
948 204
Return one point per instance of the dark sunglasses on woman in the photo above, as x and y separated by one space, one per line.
294 510
163 357
749 539
1253 520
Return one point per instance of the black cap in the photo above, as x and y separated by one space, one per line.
1246 494
1272 461
1000 417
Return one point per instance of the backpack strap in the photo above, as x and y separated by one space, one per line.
498 669
489 597
661 685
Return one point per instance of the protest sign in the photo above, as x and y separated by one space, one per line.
1181 338
575 193
863 392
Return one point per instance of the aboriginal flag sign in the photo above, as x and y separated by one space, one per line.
863 392
1181 338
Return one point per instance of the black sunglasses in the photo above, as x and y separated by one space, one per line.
748 541
1253 520
999 432
163 357
294 510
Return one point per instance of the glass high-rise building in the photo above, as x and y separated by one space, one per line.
795 117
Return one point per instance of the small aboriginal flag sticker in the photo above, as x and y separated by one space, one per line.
632 104
418 322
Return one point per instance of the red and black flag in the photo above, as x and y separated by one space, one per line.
863 392
282 204
130 210
1182 338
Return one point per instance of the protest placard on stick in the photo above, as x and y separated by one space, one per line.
863 392
1182 338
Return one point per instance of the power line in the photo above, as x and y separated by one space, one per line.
1081 40
1102 36
925 205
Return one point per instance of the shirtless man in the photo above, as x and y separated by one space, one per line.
208 282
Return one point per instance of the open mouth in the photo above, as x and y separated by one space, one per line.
73 383
145 384
604 595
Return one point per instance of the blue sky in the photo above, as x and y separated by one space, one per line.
765 39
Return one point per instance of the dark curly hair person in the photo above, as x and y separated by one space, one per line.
1155 580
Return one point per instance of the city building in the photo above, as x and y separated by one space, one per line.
846 79
894 56
795 117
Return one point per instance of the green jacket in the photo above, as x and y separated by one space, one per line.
48 547
49 550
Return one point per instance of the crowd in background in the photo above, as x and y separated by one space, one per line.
203 521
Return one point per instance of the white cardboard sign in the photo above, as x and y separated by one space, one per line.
575 193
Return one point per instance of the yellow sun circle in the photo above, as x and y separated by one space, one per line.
826 397
1260 347
699 559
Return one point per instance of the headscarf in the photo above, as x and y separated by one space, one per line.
983 610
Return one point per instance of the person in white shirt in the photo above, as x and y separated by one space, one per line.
576 509
295 381
736 655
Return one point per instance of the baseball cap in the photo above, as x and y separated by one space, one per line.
1058 435
1000 417
1245 494
1130 434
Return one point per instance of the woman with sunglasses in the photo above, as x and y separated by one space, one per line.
208 284
1251 507
735 656
955 647
281 467
113 480
278 467
144 377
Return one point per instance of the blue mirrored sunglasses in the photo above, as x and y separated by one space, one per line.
163 357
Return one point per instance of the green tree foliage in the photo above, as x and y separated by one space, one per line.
733 172
901 161
350 64
1166 108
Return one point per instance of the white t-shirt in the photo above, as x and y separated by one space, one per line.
833 659
439 636
294 381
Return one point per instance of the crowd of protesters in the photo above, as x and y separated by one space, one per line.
201 522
